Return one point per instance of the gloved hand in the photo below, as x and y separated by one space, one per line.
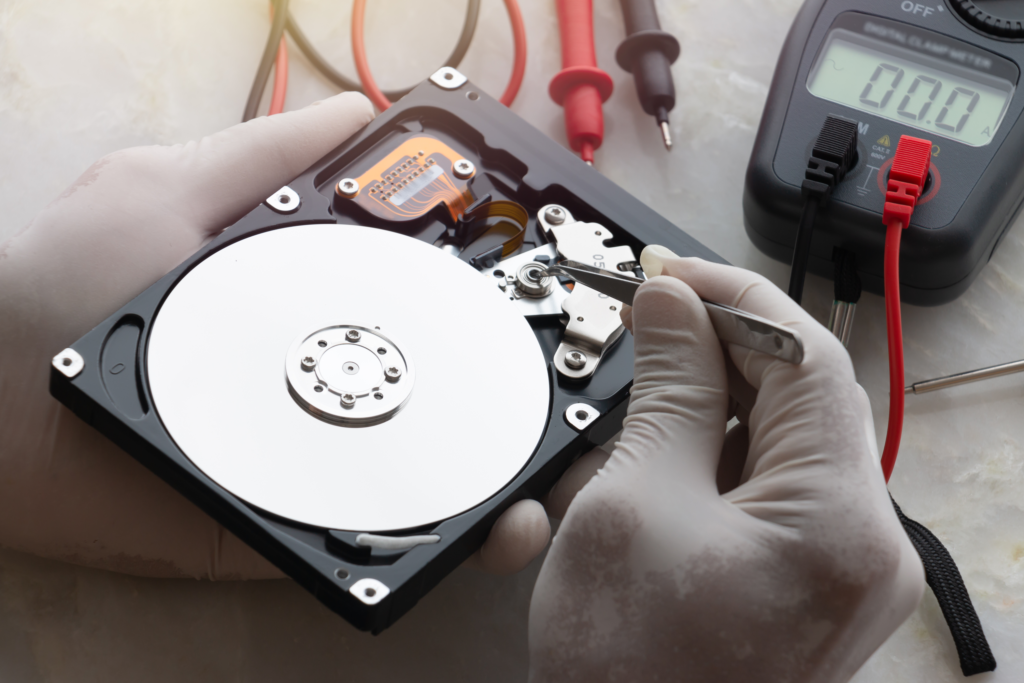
66 492
770 554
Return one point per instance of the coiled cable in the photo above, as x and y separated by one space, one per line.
339 79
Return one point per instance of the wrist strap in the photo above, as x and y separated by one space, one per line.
942 575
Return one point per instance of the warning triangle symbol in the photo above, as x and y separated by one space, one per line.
884 141
986 132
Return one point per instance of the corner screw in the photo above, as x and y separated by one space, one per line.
575 360
348 188
463 168
393 373
353 335
555 215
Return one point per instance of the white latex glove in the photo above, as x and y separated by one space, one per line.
66 492
796 570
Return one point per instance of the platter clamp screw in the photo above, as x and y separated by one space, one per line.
393 373
463 168
308 363
555 215
353 335
348 400
576 360
532 280
348 188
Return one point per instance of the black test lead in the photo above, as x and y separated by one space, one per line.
648 53
847 293
831 157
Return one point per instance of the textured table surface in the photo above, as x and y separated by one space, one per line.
80 79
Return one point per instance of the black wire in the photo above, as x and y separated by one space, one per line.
846 285
259 83
802 249
345 83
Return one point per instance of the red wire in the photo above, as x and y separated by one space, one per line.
382 103
280 75
894 331
519 62
280 80
359 52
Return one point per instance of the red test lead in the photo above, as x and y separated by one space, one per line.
580 87
906 181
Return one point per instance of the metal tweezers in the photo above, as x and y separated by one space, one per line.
731 324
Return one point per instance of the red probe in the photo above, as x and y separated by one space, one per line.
580 87
906 182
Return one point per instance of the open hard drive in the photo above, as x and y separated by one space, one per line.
363 373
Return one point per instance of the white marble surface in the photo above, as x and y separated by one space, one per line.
80 79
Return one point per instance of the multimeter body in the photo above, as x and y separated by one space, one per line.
897 68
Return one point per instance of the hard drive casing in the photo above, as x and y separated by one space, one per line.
515 162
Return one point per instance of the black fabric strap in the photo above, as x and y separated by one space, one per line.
945 581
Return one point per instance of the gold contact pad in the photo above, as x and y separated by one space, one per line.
413 179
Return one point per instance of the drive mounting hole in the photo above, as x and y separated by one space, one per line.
474 96
370 592
582 415
341 573
66 362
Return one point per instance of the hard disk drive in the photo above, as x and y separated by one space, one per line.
359 376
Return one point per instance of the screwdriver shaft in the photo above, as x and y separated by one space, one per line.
965 378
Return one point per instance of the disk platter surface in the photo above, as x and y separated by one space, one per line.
433 391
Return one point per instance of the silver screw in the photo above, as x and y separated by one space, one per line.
347 187
308 363
576 360
353 335
348 400
555 215
463 168
393 373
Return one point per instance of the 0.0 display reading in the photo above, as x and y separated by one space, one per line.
914 89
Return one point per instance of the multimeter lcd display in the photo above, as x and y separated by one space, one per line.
905 86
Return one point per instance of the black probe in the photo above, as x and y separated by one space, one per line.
648 53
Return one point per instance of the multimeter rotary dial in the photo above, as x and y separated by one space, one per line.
1005 20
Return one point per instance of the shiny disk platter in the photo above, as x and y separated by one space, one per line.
348 378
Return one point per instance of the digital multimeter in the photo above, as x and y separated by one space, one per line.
945 70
